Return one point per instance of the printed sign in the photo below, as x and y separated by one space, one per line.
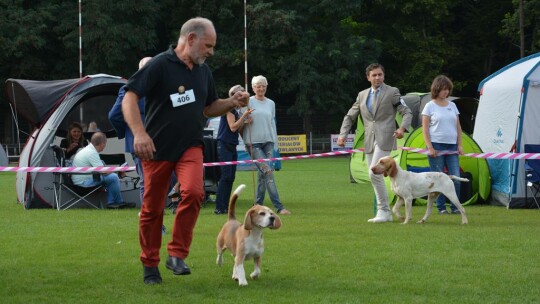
348 143
289 144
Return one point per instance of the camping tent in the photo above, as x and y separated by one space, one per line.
476 169
413 161
467 107
507 119
50 106
4 161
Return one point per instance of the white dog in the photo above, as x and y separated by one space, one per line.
245 241
409 185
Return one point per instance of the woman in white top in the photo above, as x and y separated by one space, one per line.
260 138
442 132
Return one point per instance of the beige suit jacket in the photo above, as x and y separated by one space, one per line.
380 125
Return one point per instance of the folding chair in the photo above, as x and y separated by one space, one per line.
76 194
211 174
119 159
532 175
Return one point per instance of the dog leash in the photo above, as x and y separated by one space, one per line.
252 164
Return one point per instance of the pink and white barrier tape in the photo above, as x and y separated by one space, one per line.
489 155
262 160
67 169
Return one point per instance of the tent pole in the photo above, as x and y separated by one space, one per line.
245 47
80 56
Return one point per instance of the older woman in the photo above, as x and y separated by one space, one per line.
74 141
260 138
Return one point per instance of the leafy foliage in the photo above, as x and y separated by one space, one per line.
313 52
531 23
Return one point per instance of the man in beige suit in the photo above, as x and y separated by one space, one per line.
377 106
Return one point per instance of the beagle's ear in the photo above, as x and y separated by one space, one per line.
248 225
277 223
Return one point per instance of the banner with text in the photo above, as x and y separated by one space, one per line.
290 144
348 143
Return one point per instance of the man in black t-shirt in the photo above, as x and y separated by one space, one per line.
180 94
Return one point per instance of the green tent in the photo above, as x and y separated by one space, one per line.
477 167
358 167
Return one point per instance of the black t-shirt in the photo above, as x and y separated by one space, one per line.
65 143
173 128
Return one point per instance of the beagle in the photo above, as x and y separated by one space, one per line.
409 185
245 241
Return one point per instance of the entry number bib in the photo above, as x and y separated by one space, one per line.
179 100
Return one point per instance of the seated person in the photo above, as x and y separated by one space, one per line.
89 157
92 127
74 141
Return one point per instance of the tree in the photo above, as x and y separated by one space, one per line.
531 25
423 38
313 52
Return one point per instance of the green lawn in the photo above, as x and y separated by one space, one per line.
325 252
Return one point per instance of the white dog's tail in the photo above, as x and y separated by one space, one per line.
461 179
232 201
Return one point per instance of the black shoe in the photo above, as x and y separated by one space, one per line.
115 206
177 266
174 206
151 275
220 211
173 193
130 205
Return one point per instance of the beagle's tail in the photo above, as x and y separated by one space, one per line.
461 179
232 201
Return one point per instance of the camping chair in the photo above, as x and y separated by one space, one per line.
119 159
532 175
63 183
213 173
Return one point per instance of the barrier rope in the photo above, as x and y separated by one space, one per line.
487 155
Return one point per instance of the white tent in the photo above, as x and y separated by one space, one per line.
508 117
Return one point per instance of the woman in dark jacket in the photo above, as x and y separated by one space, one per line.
74 140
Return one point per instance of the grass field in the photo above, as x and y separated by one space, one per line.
326 252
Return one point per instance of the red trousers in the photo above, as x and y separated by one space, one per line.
189 171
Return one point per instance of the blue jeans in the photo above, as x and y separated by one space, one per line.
226 152
265 177
138 168
451 162
112 184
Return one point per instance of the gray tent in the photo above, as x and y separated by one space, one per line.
4 161
467 107
50 107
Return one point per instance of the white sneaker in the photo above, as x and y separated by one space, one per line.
381 217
